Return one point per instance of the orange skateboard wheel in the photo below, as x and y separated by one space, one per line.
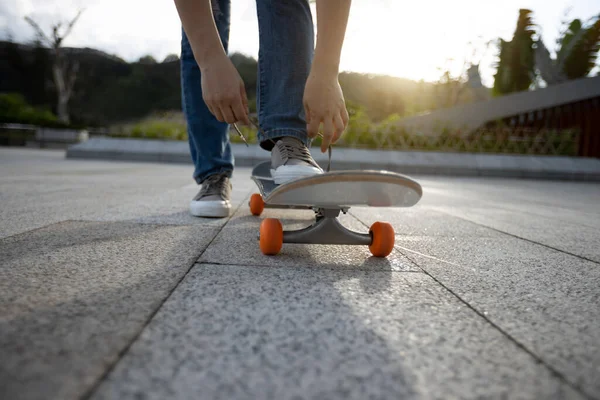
257 204
383 239
271 236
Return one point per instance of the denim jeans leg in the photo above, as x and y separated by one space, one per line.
286 37
208 138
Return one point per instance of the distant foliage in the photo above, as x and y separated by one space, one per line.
248 70
15 109
362 132
516 64
581 45
27 72
159 125
147 60
109 90
171 58
524 60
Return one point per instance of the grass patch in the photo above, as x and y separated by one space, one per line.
162 126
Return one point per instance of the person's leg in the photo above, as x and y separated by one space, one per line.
208 138
285 57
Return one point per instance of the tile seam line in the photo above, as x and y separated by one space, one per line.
157 224
133 222
537 358
93 388
39 228
529 213
557 374
518 237
337 269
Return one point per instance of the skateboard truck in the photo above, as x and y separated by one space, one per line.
326 230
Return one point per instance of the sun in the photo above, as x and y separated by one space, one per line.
405 39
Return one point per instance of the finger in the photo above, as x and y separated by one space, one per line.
339 128
307 112
345 117
239 112
216 111
313 127
246 116
210 107
227 113
328 131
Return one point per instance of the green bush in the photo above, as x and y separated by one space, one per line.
159 130
164 126
15 109
362 132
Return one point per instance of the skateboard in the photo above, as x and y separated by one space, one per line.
328 195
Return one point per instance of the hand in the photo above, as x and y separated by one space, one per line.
224 92
324 104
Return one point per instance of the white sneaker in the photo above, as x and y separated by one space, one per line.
214 198
291 159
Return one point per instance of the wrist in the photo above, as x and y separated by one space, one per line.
209 57
325 66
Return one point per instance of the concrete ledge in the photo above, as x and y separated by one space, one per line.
406 162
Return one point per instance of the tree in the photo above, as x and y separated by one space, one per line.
171 58
448 88
451 90
576 54
579 49
247 67
383 103
515 68
545 65
64 75
148 59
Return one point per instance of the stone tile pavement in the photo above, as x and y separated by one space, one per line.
110 289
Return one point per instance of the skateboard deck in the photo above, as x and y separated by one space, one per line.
262 171
261 175
340 189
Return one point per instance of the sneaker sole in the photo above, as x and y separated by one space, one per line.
210 209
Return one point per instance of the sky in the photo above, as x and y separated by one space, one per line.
410 39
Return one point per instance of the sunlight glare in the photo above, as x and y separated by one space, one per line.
396 38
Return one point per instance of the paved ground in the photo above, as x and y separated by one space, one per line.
109 289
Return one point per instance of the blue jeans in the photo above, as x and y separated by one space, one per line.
286 39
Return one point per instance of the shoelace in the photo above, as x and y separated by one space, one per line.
295 150
263 132
213 186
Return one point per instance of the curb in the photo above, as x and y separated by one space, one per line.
405 162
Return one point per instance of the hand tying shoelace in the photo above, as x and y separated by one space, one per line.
261 131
